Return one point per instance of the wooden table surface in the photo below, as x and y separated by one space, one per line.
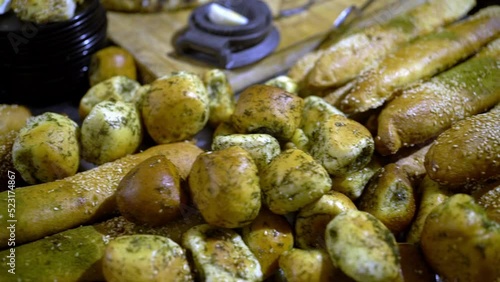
149 38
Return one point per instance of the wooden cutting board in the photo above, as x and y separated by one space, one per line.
149 38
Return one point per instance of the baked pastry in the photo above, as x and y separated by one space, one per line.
424 111
421 59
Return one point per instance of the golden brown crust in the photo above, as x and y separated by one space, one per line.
466 153
488 196
421 59
353 54
389 196
422 112
53 207
267 109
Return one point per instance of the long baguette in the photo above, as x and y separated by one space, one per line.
75 254
422 112
421 59
49 208
359 51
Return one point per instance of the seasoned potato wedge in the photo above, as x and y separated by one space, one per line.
299 265
176 108
225 187
362 247
353 183
316 111
311 221
292 180
221 96
141 258
299 141
110 131
342 145
268 236
221 255
390 198
116 88
267 109
150 193
460 242
262 147
47 148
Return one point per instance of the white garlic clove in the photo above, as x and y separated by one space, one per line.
221 15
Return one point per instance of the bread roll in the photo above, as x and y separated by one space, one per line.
468 152
53 207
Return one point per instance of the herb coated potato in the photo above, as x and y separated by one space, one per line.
299 141
109 62
342 145
316 111
262 147
151 193
47 148
221 96
267 109
268 236
111 130
292 180
176 108
353 184
141 258
389 196
116 88
220 254
225 187
460 242
311 221
362 247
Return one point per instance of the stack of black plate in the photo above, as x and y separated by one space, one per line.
47 63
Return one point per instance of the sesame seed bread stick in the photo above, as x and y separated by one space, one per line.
52 207
347 58
75 254
421 59
422 112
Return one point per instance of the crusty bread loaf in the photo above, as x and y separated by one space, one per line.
53 207
359 51
468 152
422 112
421 59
